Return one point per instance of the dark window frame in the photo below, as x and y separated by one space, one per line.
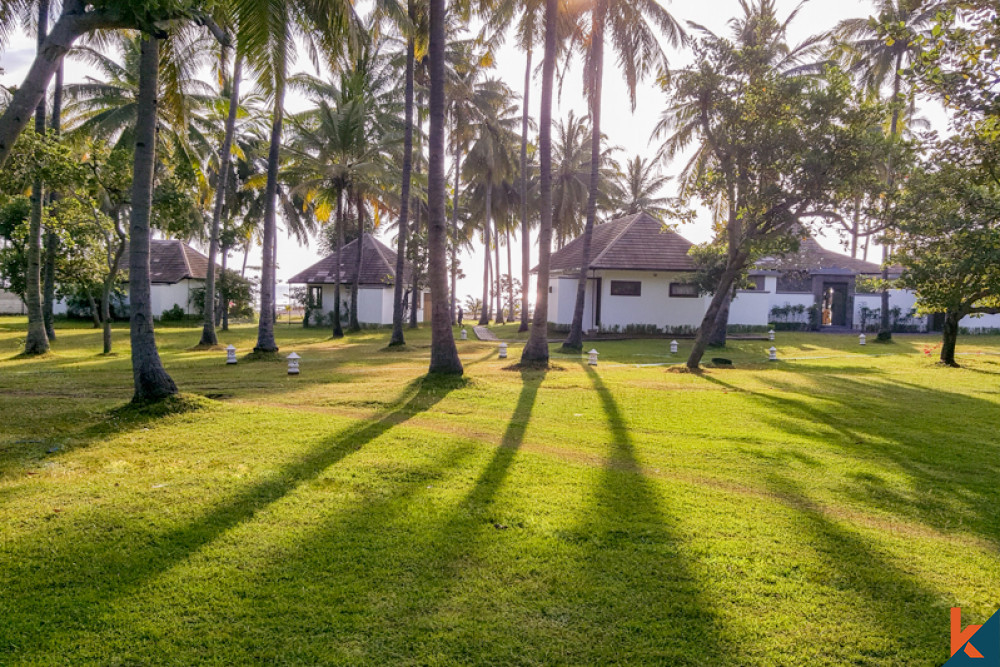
316 295
675 295
617 287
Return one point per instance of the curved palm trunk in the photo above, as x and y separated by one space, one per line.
398 295
525 232
498 277
37 341
885 324
355 324
484 318
444 354
734 265
114 263
151 380
536 350
265 328
224 290
415 293
574 340
338 331
208 336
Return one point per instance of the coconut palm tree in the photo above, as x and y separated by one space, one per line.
633 26
444 353
536 350
267 36
638 189
150 378
489 163
878 49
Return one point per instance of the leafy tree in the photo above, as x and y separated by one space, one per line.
774 141
948 236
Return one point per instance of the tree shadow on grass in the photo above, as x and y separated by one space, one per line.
944 443
634 556
90 573
901 621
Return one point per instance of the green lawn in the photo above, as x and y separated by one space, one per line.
823 510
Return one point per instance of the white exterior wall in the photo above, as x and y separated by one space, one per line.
781 299
374 303
11 304
370 305
163 297
562 300
655 306
750 309
983 322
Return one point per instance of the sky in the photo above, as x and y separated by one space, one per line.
625 129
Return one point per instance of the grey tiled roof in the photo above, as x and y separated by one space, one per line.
378 265
171 261
637 243
815 258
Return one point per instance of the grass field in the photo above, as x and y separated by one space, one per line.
826 509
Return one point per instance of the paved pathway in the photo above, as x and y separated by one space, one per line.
482 333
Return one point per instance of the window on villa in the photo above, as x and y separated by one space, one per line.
755 284
683 290
626 288
316 296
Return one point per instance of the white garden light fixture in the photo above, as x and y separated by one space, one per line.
293 364
772 354
673 347
231 354
862 340
592 357
464 335
503 350
770 334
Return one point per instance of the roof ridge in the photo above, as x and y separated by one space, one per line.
376 244
187 262
612 242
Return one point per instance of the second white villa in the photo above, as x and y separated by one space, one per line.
640 279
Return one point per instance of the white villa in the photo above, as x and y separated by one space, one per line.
639 278
375 288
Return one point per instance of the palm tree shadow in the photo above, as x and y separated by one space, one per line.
633 552
90 593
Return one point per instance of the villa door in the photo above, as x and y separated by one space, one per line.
835 305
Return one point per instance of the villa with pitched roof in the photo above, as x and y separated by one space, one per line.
376 285
640 277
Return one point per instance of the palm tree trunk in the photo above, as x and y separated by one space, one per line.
885 324
574 340
536 350
223 289
454 221
484 318
36 341
510 283
398 294
338 330
525 232
498 277
415 293
355 324
265 328
151 380
208 336
51 238
444 353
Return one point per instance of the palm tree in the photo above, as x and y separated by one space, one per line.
633 25
36 341
444 353
208 336
267 36
878 50
150 378
639 187
489 163
570 177
536 350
